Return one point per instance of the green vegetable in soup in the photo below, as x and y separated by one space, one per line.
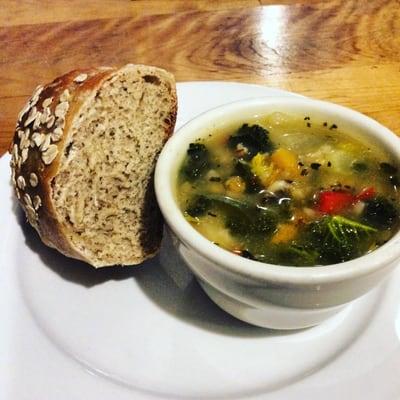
197 162
297 255
380 213
198 206
242 216
251 140
338 239
256 223
330 240
390 172
387 168
288 254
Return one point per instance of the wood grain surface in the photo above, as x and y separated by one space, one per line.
346 51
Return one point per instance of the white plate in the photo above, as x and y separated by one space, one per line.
70 332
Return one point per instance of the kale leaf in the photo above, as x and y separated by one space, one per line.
337 239
243 217
390 171
292 254
198 206
255 139
197 161
387 168
380 213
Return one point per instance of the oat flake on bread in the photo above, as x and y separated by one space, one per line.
83 158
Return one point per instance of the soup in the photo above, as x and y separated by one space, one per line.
290 190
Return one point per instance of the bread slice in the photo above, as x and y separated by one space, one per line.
83 157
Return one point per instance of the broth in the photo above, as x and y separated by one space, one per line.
290 190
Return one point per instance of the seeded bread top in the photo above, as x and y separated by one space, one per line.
39 135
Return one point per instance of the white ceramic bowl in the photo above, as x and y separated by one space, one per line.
278 297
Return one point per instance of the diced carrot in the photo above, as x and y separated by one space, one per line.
284 234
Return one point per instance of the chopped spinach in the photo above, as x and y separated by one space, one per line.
243 217
337 239
256 223
387 168
380 213
394 180
254 139
390 171
197 161
296 255
198 206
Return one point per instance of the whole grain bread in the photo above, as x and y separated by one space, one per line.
83 157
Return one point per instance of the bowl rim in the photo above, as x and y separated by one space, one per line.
279 274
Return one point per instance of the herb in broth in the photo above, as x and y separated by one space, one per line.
250 140
291 191
197 161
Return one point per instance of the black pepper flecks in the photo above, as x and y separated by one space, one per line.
306 118
304 172
211 214
300 164
315 165
329 164
308 124
325 124
215 179
333 126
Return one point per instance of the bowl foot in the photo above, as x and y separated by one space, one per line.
270 316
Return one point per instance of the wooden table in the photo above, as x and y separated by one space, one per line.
346 51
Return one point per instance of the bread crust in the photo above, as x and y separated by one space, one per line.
40 138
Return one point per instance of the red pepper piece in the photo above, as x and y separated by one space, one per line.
366 194
334 202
